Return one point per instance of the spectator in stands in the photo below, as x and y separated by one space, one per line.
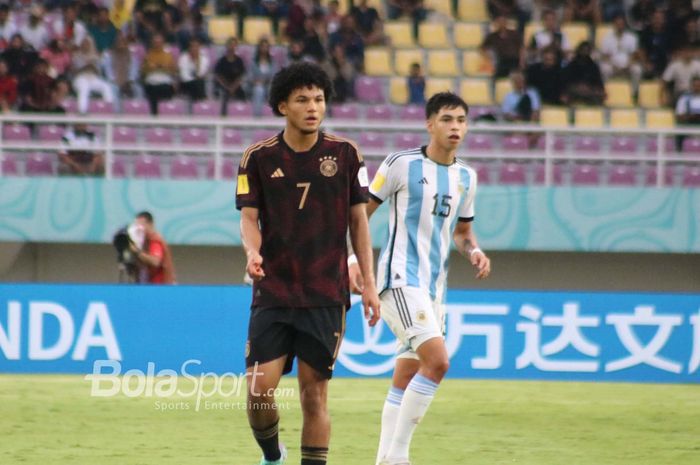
677 13
58 56
583 81
522 104
368 23
261 75
295 20
680 72
609 9
688 109
69 27
333 17
37 89
351 41
414 9
342 73
35 32
87 77
78 155
295 52
416 85
655 42
120 67
59 95
587 11
8 88
547 77
155 256
20 57
158 71
550 35
121 14
229 74
620 56
149 16
193 67
8 28
508 9
192 27
691 38
103 31
506 46
313 43
273 9
641 12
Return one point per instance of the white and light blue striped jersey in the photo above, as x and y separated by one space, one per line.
426 199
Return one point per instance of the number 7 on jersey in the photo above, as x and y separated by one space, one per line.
305 186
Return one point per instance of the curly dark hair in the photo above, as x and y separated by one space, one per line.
444 100
295 76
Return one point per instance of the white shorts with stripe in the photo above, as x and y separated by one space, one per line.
413 317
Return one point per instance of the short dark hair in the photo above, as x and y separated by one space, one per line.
444 100
296 76
146 215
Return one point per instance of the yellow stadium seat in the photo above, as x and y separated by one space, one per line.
435 85
398 91
619 93
440 6
403 59
530 29
475 63
467 35
476 91
255 28
472 10
650 94
601 31
624 119
378 61
503 87
660 119
554 116
589 117
400 33
442 63
433 35
576 33
222 28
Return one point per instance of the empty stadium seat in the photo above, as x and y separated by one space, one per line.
587 145
194 136
691 145
156 135
412 113
650 94
467 35
124 135
622 175
398 91
407 140
442 63
400 33
659 119
475 63
472 10
206 108
16 133
100 107
369 90
512 173
668 145
651 176
554 116
691 176
174 107
440 6
624 145
147 166
50 133
239 109
435 85
503 88
476 91
229 168
589 117
378 61
558 143
479 142
403 59
601 31
221 28
232 137
515 142
624 119
433 35
70 105
8 164
379 113
39 164
586 175
256 28
372 140
135 107
262 134
183 167
576 33
557 176
619 93
345 111
483 172
119 167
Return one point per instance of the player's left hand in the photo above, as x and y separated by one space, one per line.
370 303
482 264
357 283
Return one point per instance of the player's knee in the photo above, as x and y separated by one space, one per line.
313 401
439 367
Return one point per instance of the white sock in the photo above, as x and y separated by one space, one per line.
390 414
415 403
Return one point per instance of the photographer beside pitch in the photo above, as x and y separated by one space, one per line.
299 192
154 257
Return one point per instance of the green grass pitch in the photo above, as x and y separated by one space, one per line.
54 420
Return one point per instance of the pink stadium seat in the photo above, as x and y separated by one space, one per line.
624 145
175 107
345 111
135 107
483 173
691 176
8 164
585 175
478 112
267 112
369 90
652 176
407 140
515 142
479 142
183 167
372 140
412 113
512 173
379 113
39 164
691 145
246 52
239 110
194 136
159 136
71 105
587 144
124 135
16 132
50 133
279 55
119 167
206 108
622 175
557 176
228 168
559 144
100 107
232 137
652 146
262 134
372 167
147 166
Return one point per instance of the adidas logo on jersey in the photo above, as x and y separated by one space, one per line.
278 173
423 181
398 276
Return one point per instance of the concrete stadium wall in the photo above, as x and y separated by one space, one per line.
96 263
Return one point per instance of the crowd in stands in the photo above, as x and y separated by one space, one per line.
156 49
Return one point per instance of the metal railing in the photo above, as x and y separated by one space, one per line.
216 148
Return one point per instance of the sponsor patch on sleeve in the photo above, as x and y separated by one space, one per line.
362 176
243 187
378 183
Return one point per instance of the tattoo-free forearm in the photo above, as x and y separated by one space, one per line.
250 231
361 242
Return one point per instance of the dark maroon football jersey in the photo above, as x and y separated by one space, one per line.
304 201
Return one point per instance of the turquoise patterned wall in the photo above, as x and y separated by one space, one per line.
202 212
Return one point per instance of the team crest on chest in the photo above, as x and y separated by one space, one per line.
328 166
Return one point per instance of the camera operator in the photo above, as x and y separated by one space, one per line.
154 258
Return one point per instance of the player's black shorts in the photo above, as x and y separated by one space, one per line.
312 334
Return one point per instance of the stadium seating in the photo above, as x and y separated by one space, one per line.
404 58
624 119
435 85
239 109
557 175
467 35
119 167
659 119
585 174
400 33
587 145
228 168
472 10
183 167
194 136
514 143
589 117
442 63
174 107
124 135
256 28
411 113
619 93
50 133
554 116
483 172
372 140
16 133
503 87
512 173
8 164
157 135
210 108
398 91
433 35
440 6
147 166
651 176
379 113
652 146
650 94
347 111
691 176
378 61
40 164
475 63
476 91
601 31
100 107
624 145
622 175
222 28
369 90
232 137
408 140
576 33
691 145
479 142
135 107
